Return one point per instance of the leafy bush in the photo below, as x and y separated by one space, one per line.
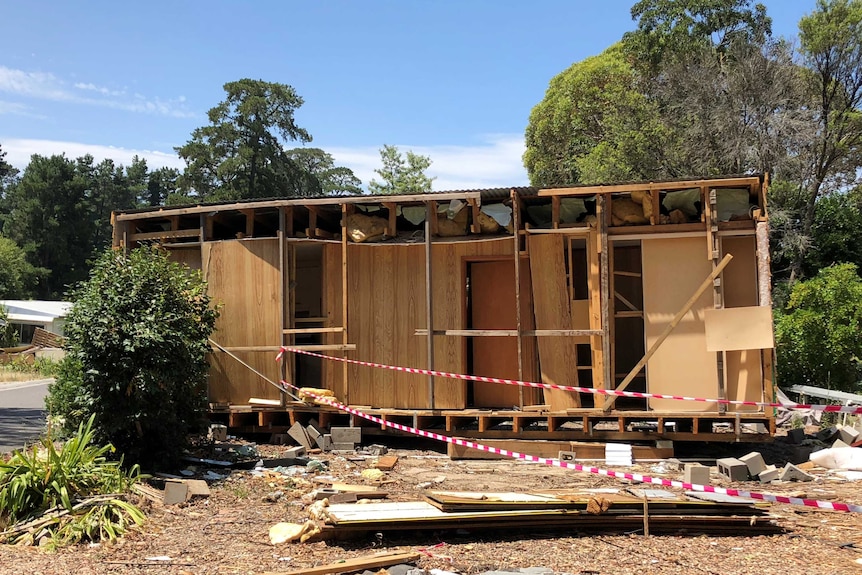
817 333
71 494
136 345
8 333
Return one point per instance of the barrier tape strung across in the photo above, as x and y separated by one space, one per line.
834 506
593 390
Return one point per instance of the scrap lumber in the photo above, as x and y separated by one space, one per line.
382 559
385 462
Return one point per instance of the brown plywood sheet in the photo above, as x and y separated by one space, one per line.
738 328
673 269
743 372
187 256
494 307
243 278
551 308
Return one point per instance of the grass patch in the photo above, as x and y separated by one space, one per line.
27 368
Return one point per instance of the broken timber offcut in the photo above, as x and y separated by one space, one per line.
585 286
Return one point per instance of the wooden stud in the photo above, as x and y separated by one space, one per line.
594 284
602 220
555 212
344 300
764 297
249 222
670 327
284 294
517 255
430 215
655 198
288 220
166 235
510 332
312 222
475 228
392 226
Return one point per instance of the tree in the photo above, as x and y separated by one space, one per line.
161 184
241 153
817 333
137 339
323 176
831 44
594 124
18 277
670 29
49 217
400 175
8 333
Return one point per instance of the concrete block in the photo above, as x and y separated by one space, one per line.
294 452
567 456
313 432
324 442
298 433
346 435
664 443
674 464
217 432
793 473
732 468
771 473
795 436
839 443
338 446
696 474
848 435
754 462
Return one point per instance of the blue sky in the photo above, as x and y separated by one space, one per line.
454 80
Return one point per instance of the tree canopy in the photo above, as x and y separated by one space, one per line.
400 174
240 154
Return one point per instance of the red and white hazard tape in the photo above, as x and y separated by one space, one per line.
830 505
593 390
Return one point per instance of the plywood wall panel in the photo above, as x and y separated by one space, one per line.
186 256
243 277
331 305
743 368
673 269
552 310
386 306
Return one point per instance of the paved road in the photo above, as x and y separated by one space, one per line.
22 413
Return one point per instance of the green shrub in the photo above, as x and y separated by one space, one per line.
8 333
136 345
68 494
818 332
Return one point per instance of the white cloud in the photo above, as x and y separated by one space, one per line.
45 86
495 162
18 152
17 109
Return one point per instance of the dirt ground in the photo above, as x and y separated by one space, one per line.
227 533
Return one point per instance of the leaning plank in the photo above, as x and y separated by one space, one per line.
557 355
382 559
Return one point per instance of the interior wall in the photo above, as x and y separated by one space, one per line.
673 269
743 368
243 277
386 305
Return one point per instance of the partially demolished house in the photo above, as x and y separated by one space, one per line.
659 287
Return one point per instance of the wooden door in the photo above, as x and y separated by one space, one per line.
493 306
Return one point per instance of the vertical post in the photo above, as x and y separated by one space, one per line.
344 300
516 221
283 287
430 212
602 215
714 251
764 298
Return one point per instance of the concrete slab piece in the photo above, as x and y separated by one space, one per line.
771 473
300 435
793 473
848 435
754 462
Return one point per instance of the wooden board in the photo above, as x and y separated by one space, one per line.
673 269
540 448
743 369
356 564
551 307
187 256
243 278
738 328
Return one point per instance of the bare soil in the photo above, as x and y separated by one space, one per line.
227 533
